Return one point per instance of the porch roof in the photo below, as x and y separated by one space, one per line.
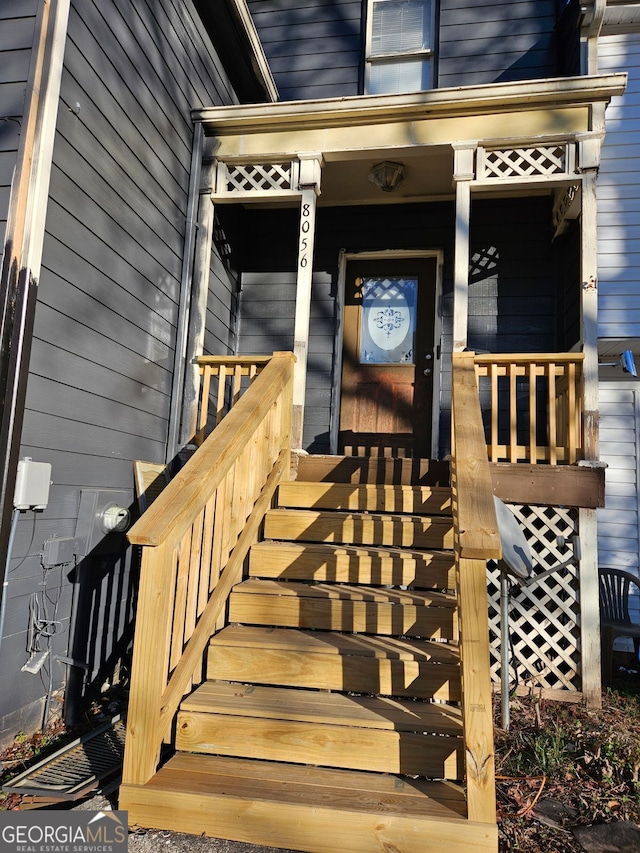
354 133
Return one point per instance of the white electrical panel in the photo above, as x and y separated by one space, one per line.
32 484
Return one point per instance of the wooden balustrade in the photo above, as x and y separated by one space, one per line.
535 406
223 378
476 540
194 538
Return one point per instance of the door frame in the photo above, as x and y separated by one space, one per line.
336 394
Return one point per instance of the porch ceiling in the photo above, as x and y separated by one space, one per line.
428 175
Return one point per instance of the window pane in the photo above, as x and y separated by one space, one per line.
400 26
388 328
398 76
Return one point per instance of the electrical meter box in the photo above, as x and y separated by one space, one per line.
103 518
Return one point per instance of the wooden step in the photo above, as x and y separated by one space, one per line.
305 808
351 564
372 469
332 661
366 498
400 531
375 712
342 607
330 730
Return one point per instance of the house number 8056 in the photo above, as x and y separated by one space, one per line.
305 226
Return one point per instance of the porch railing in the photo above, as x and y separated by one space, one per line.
476 540
533 406
194 538
223 378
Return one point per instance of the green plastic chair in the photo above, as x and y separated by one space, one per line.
615 588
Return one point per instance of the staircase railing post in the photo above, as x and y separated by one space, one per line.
150 663
476 540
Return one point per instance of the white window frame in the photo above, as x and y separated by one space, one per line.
380 58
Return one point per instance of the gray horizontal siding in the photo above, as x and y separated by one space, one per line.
222 306
314 48
619 195
17 30
102 356
267 312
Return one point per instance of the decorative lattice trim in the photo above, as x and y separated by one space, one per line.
544 618
508 163
253 178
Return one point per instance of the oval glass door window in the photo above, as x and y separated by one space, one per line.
387 333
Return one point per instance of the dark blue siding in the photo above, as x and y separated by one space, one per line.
17 24
495 41
316 48
102 357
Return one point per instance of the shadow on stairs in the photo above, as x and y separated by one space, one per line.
330 718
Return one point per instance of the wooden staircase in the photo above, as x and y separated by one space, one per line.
330 717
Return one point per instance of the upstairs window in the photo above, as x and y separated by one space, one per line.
400 46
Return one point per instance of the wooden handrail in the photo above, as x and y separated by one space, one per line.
194 538
170 514
478 527
476 539
529 358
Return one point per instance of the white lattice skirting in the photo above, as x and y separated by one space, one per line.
545 617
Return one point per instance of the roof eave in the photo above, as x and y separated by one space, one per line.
259 59
438 103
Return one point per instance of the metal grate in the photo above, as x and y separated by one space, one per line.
76 769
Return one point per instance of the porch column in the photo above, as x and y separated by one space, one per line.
589 158
463 174
589 162
309 184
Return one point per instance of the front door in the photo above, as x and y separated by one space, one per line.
388 357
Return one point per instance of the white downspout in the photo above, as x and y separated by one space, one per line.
184 306
591 26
